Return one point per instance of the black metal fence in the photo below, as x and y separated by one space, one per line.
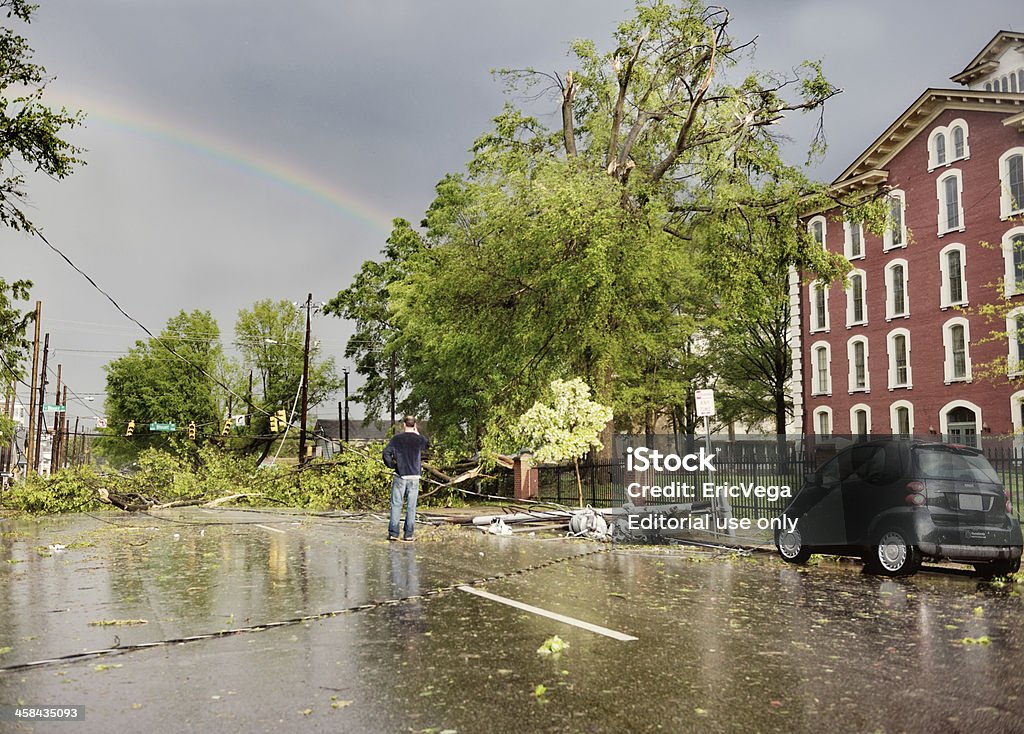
762 468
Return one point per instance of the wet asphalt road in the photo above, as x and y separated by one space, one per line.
726 643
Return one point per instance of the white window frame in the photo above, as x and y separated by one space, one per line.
952 405
945 297
1016 419
890 293
852 373
887 238
890 343
818 413
947 350
816 369
850 320
1010 285
948 149
894 422
1014 365
819 219
813 299
940 193
854 409
1006 209
849 228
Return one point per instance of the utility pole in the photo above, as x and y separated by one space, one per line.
43 382
55 443
305 385
346 406
30 436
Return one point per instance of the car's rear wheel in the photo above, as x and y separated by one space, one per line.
895 555
791 546
1004 567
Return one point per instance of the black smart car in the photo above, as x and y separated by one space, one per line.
895 502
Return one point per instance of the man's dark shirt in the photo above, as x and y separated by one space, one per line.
403 453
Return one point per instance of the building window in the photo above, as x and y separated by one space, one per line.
855 299
857 351
860 420
854 242
1011 179
899 359
823 421
959 141
1015 342
819 307
955 341
960 422
822 377
895 234
901 416
950 193
947 144
817 229
953 288
1013 261
896 289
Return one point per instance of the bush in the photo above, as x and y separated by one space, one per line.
72 490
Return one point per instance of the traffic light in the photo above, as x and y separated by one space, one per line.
192 430
227 427
131 428
282 420
274 424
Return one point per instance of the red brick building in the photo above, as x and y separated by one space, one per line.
903 348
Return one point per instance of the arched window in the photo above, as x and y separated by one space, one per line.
817 229
1015 341
823 421
854 242
956 345
860 420
898 342
1013 261
950 194
901 418
952 266
1011 176
939 141
896 303
961 422
857 352
821 354
856 309
959 149
895 234
819 307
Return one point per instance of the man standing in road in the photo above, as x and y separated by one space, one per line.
403 454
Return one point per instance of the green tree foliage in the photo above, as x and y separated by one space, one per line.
30 132
565 426
271 338
13 342
167 379
624 245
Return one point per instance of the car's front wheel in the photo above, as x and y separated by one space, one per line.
895 555
791 546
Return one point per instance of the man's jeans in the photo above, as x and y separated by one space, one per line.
403 489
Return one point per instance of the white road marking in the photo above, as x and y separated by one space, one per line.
273 530
550 615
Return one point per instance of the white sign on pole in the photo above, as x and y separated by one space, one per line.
705 402
101 422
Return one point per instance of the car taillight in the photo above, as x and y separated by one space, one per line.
916 496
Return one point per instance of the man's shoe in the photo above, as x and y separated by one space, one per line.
406 540
392 537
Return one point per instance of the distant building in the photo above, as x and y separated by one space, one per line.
900 349
328 434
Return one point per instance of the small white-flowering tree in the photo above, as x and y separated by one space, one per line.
566 427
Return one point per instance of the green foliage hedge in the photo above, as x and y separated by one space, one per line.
352 481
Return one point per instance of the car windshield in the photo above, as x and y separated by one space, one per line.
949 462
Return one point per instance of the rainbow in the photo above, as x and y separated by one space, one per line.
250 163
